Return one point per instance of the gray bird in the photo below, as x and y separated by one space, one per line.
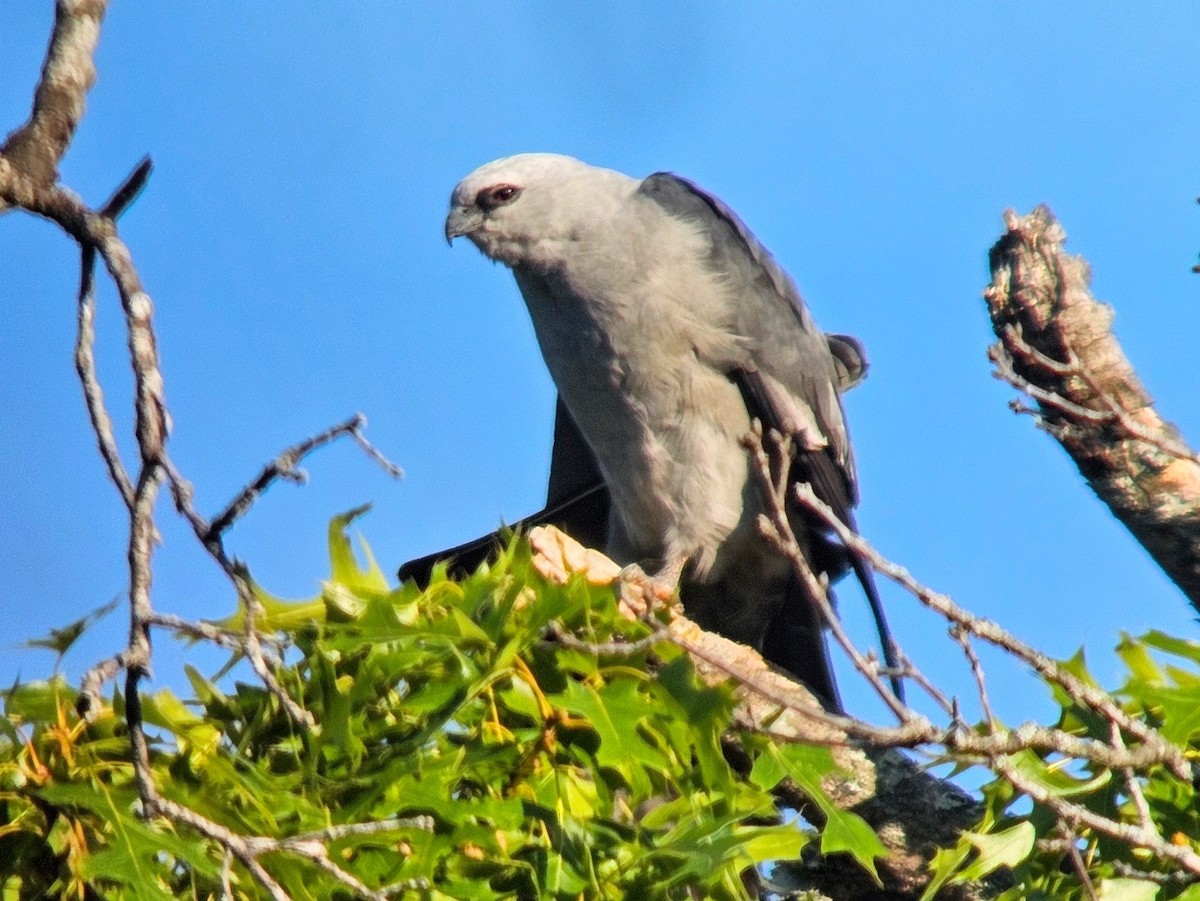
667 327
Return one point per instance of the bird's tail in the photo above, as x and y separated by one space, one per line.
866 578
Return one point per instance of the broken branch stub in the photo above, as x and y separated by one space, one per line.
1057 346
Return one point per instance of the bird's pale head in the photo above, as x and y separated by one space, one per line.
516 208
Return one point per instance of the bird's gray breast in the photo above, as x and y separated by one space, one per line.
636 355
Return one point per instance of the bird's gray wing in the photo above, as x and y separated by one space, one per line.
577 498
573 466
849 360
792 359
577 502
794 367
795 372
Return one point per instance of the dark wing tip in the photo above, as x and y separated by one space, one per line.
849 359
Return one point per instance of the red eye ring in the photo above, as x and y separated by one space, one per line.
496 195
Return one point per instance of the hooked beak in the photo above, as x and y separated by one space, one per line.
461 221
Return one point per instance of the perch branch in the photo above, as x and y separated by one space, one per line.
914 811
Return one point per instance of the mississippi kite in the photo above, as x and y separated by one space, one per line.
667 327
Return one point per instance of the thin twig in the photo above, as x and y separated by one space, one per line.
1072 849
372 451
128 191
777 530
89 687
348 830
556 634
1073 367
964 641
1176 878
1086 695
907 670
1005 372
93 394
285 465
1132 785
202 631
1077 815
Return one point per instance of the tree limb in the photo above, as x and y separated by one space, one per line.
914 812
1057 346
68 73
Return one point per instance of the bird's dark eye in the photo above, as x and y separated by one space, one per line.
496 195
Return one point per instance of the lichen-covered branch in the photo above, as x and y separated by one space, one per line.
68 73
1057 346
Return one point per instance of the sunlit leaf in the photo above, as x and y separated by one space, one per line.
1187 648
60 640
1141 664
1055 779
1005 848
844 831
345 566
1127 890
39 701
614 712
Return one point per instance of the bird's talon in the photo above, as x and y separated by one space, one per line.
642 593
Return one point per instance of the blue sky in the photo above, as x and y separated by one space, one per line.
291 240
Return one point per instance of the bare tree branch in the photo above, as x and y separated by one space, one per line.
85 358
28 180
93 394
1056 345
1154 748
285 467
68 73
